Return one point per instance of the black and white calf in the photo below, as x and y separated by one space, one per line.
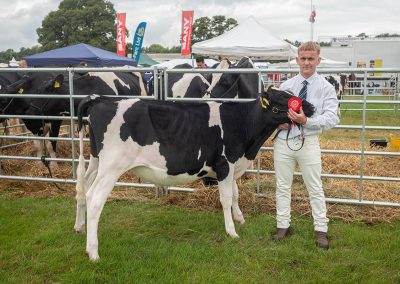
169 143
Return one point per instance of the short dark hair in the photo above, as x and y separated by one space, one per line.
200 59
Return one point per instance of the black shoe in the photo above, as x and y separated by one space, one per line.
281 234
321 239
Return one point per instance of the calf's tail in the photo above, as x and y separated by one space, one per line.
80 172
82 109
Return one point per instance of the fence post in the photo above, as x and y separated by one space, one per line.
364 114
72 114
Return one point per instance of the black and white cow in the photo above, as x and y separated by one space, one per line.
231 85
184 85
336 82
6 79
42 83
103 83
169 143
216 85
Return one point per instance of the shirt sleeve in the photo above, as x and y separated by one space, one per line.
327 118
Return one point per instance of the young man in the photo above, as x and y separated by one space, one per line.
200 62
291 148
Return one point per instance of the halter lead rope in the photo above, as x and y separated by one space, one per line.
44 158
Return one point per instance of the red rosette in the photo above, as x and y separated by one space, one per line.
294 104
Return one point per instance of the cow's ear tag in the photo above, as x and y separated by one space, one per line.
57 84
264 102
20 91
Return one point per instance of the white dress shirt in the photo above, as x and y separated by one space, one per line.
323 96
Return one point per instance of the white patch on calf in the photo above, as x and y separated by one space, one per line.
241 166
199 155
215 115
145 162
108 78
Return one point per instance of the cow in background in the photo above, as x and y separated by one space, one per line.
336 82
6 79
213 85
102 83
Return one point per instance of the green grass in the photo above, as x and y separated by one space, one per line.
373 117
145 242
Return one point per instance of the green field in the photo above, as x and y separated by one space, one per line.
145 242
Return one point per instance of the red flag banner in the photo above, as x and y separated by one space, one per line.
121 34
187 22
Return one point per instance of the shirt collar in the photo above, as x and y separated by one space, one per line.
311 79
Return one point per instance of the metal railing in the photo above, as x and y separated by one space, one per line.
164 73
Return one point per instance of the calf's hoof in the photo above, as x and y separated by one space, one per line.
93 256
233 234
239 219
79 229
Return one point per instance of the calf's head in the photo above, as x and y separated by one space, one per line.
275 102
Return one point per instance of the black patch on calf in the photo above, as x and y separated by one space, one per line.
101 114
181 130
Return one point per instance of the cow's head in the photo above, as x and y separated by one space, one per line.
275 102
230 85
49 85
13 105
37 106
46 86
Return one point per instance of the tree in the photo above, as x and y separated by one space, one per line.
362 35
7 55
387 35
205 28
295 43
75 21
156 48
28 51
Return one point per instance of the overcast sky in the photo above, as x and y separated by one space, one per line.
19 19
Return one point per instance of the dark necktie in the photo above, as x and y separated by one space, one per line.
303 91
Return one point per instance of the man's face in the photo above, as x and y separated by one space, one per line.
201 65
308 61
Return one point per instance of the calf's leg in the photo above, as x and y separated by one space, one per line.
81 190
95 199
237 213
225 195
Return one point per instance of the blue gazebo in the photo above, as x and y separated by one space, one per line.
74 54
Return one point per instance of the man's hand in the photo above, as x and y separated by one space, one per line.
297 117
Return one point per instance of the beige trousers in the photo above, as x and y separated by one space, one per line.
309 160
